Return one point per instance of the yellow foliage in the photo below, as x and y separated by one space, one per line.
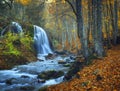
23 2
63 1
50 1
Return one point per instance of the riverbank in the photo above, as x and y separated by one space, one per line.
9 61
102 75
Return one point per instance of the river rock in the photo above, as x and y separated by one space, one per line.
10 81
67 60
27 88
80 58
41 80
72 57
67 65
62 62
75 67
64 52
49 56
50 74
24 76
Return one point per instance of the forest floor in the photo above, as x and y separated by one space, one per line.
102 75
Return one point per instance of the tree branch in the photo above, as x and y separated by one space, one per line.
9 3
71 7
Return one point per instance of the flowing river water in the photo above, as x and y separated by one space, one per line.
25 77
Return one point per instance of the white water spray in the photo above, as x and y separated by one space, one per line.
41 42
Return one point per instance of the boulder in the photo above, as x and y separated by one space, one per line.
41 81
72 57
24 76
50 74
10 81
67 65
49 56
74 68
27 88
67 60
62 62
64 52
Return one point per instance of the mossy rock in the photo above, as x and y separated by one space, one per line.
62 62
67 65
74 68
50 74
10 81
27 88
43 89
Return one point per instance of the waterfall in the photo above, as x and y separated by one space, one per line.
14 27
41 42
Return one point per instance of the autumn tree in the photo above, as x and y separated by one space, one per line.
76 5
97 28
115 21
107 24
34 12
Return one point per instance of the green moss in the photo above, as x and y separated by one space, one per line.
7 45
27 41
12 42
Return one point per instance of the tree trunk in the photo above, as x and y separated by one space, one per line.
89 20
115 31
114 19
97 28
81 32
107 26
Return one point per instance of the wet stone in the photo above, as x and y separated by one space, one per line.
49 56
10 81
67 65
27 88
68 60
24 76
41 81
72 57
62 62
50 74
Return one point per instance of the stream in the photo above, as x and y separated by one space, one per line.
25 77
31 77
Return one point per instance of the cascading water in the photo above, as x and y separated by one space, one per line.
14 27
41 42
